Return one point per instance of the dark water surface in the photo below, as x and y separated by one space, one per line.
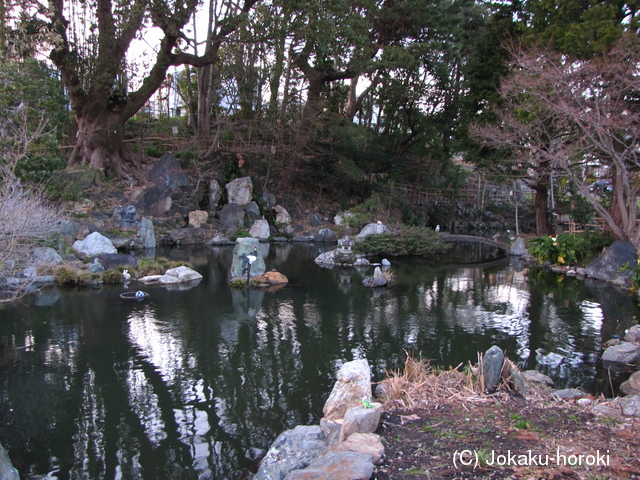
196 383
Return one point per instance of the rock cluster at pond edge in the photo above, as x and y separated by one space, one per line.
343 446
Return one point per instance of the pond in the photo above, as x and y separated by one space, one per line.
195 383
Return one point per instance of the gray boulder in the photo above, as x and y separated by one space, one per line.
269 200
215 194
519 247
492 368
569 394
624 352
282 216
374 282
46 256
632 335
260 229
113 260
7 471
178 275
168 173
534 376
315 220
337 465
146 233
352 386
632 385
231 217
127 216
154 200
607 266
293 450
372 229
94 244
361 420
244 247
325 235
240 190
253 211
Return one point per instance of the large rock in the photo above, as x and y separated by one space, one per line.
231 217
275 278
126 216
177 275
519 247
360 420
113 260
282 216
372 229
146 233
534 376
168 173
244 247
352 386
7 471
215 193
624 352
336 465
631 386
492 368
325 235
292 450
632 335
240 190
154 200
253 211
197 218
607 266
46 256
191 236
260 229
94 244
368 443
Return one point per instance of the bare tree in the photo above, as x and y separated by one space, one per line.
574 116
94 72
25 216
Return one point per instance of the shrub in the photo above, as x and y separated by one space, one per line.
113 276
567 249
408 241
66 275
150 266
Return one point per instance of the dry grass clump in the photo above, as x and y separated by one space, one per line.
419 384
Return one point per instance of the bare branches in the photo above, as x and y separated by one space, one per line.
577 117
25 216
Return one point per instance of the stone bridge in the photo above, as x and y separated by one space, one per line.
472 238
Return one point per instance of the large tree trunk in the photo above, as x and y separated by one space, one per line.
543 227
99 141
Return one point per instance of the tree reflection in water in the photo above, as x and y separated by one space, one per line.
197 383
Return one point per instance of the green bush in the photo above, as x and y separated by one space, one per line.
66 275
150 266
113 276
408 241
567 249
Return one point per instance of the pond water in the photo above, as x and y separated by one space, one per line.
195 383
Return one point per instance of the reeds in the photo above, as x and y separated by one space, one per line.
419 384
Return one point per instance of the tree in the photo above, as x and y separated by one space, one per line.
25 216
95 75
574 115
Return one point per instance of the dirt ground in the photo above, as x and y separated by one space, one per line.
507 437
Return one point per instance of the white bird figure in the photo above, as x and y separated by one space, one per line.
247 261
126 275
437 228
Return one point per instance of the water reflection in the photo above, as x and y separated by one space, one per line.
197 383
